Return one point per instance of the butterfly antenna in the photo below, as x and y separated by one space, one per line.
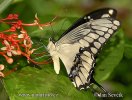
43 45
52 27
42 57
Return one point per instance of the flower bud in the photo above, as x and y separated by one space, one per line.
1 74
18 52
1 66
10 60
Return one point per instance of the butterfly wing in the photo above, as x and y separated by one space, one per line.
105 12
78 46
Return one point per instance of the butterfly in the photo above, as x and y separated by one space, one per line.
78 46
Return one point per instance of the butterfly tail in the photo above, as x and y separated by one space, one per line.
101 87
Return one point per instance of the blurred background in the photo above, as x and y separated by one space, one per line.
120 79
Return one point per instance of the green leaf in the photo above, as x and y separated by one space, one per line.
4 4
3 94
110 57
128 48
128 51
22 85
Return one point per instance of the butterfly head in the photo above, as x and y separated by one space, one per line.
51 46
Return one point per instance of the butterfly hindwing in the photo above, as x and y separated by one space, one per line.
82 70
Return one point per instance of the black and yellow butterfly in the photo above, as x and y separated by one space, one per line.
78 46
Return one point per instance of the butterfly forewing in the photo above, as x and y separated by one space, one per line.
79 45
92 34
105 12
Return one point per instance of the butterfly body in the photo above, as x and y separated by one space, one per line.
80 44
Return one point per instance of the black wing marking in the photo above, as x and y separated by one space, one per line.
93 15
82 71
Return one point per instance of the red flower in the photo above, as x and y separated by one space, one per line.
9 49
16 40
